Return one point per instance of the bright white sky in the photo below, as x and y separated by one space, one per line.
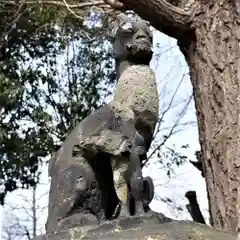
169 70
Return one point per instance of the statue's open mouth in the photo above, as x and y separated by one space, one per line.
141 39
140 53
142 42
139 48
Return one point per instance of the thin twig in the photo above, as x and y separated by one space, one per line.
71 11
169 106
62 3
181 114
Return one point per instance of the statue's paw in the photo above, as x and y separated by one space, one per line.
124 213
106 221
78 219
139 209
101 216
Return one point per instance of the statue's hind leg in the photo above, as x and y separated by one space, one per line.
120 171
104 176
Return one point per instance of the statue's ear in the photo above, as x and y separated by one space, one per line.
148 24
122 17
119 20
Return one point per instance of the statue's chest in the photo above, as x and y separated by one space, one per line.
137 89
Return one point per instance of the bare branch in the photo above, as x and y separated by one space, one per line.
61 3
71 11
171 132
115 4
169 106
165 17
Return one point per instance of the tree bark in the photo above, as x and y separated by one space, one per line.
213 58
165 17
212 51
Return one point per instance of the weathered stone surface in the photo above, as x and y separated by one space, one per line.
137 90
111 116
73 190
152 226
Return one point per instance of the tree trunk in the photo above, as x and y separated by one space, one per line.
212 51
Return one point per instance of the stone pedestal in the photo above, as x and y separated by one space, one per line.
152 226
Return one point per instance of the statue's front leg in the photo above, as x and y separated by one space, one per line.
136 183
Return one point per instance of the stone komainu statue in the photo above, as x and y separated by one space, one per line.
104 152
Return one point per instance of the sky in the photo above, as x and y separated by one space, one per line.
170 68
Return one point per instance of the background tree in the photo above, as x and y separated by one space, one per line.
54 71
23 218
